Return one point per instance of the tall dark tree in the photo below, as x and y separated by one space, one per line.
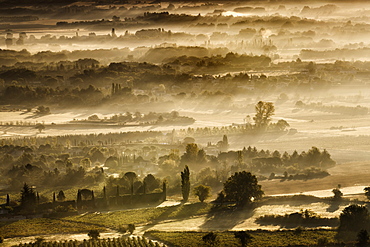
79 198
185 183
104 194
28 198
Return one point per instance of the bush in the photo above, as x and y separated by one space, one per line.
131 228
94 234
210 239
322 241
202 192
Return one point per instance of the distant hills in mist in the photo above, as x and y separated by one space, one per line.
67 2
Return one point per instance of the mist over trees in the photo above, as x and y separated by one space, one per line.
127 116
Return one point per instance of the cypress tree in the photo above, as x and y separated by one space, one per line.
185 184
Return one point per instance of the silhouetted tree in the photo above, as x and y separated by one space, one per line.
210 239
353 219
185 183
28 198
242 188
94 234
367 192
131 228
40 127
61 197
264 111
244 237
79 198
337 194
362 238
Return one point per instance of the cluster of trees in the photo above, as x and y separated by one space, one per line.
83 83
130 183
354 221
305 218
62 142
137 117
66 160
26 95
48 166
345 110
231 61
266 161
240 189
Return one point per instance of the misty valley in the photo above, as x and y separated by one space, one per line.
184 123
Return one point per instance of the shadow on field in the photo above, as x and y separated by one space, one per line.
226 218
333 206
178 213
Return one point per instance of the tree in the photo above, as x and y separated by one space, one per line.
244 237
264 111
337 194
43 110
367 192
242 188
354 218
191 154
202 192
40 127
362 238
93 234
210 239
61 197
131 176
131 228
224 144
151 182
28 198
185 183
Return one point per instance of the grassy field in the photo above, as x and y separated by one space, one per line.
40 226
260 238
141 216
99 221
